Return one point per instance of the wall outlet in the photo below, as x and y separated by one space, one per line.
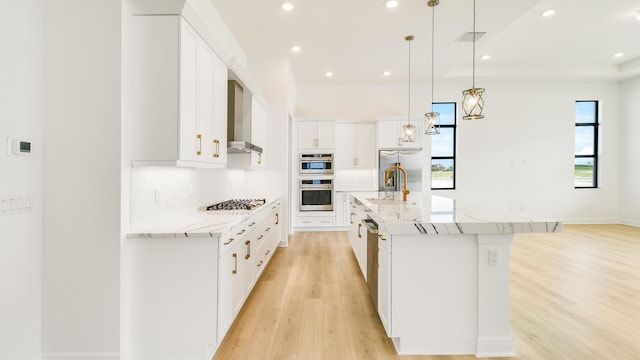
494 257
158 196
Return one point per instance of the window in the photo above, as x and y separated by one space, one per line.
586 149
443 148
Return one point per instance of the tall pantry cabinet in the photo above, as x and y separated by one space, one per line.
180 95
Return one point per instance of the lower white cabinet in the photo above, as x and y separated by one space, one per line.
384 280
242 263
358 234
341 209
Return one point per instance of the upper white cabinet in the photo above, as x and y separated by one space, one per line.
258 133
254 159
355 145
390 134
316 134
179 93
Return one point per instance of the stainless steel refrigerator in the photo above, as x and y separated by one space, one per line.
410 160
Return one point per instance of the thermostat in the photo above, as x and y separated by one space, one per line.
18 146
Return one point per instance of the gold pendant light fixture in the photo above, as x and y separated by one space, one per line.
431 118
409 129
473 99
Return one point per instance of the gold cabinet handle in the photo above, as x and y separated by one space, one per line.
260 263
241 232
267 229
382 237
359 226
260 237
216 142
235 263
351 218
229 242
199 152
259 158
248 243
252 223
277 219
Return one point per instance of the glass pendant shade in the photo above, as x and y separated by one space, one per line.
431 120
409 131
473 104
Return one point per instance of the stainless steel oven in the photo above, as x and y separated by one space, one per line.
316 164
316 195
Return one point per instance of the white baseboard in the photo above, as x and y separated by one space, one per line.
630 222
81 356
495 347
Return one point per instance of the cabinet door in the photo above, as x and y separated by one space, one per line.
390 134
191 138
384 286
326 134
219 132
342 209
204 102
307 135
345 157
258 132
227 275
365 146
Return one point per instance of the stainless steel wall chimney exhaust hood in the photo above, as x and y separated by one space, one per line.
239 120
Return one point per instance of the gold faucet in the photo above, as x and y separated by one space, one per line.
405 192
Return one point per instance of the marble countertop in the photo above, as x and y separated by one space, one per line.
202 223
424 213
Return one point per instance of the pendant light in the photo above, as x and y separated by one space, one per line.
432 119
473 99
409 129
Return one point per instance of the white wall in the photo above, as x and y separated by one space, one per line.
630 152
520 157
21 32
81 222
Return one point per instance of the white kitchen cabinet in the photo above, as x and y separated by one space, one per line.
358 234
355 145
245 252
254 159
342 209
390 134
384 280
232 288
179 92
316 134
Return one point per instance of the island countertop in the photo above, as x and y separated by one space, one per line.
424 213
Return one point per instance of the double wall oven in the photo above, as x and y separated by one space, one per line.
316 182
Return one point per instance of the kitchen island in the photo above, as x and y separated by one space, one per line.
442 271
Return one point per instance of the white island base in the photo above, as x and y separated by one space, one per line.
442 271
447 299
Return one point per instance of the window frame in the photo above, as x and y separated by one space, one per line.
596 131
455 139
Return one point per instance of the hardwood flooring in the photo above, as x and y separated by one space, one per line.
574 295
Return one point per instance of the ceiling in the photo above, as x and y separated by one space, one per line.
359 39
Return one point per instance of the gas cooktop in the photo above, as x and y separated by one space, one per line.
237 204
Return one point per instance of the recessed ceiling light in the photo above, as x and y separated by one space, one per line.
548 13
295 49
617 55
391 3
328 74
486 57
286 5
386 73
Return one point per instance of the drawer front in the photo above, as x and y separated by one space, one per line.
315 221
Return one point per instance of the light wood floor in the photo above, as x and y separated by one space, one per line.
574 295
